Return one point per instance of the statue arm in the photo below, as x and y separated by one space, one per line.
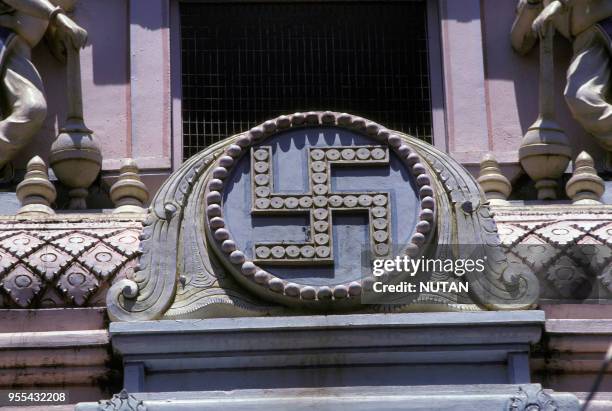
522 36
43 9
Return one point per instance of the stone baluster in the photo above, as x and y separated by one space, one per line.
129 193
585 186
496 186
545 151
75 155
36 192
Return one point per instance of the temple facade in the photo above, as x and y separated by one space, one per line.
364 205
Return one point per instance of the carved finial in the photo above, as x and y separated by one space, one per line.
36 192
496 186
585 186
129 193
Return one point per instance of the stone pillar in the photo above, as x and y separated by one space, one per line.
496 186
585 186
36 192
129 193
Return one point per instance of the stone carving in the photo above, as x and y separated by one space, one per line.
23 24
544 151
585 186
76 147
35 192
189 248
63 263
496 186
570 252
588 24
129 193
532 398
320 202
122 402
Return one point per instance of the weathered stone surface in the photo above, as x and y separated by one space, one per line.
65 261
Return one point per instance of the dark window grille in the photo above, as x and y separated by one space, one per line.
244 63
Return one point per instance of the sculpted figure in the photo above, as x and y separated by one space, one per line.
23 24
588 25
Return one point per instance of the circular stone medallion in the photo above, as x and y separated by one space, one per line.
301 203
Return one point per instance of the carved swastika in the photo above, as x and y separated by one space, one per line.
320 203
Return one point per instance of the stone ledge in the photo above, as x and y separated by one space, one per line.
365 398
268 352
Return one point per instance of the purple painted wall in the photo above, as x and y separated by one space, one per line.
490 93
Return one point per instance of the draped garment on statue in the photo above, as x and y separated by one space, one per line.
589 81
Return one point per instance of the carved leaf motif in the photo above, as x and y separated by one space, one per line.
75 243
126 242
21 244
566 277
21 285
102 260
48 261
122 402
77 283
532 397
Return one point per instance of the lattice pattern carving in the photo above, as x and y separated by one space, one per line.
568 248
64 262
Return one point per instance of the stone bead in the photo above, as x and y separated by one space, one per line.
261 277
215 184
423 180
213 197
221 234
216 222
292 290
237 257
354 289
328 118
220 173
269 127
243 141
324 293
428 202
298 119
256 133
276 284
213 210
395 140
226 161
283 122
340 291
308 293
228 246
248 268
234 150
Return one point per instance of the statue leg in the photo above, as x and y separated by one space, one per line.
24 104
588 87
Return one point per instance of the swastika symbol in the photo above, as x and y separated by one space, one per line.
320 202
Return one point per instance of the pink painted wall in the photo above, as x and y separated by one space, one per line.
105 80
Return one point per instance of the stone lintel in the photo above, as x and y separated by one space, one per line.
312 351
